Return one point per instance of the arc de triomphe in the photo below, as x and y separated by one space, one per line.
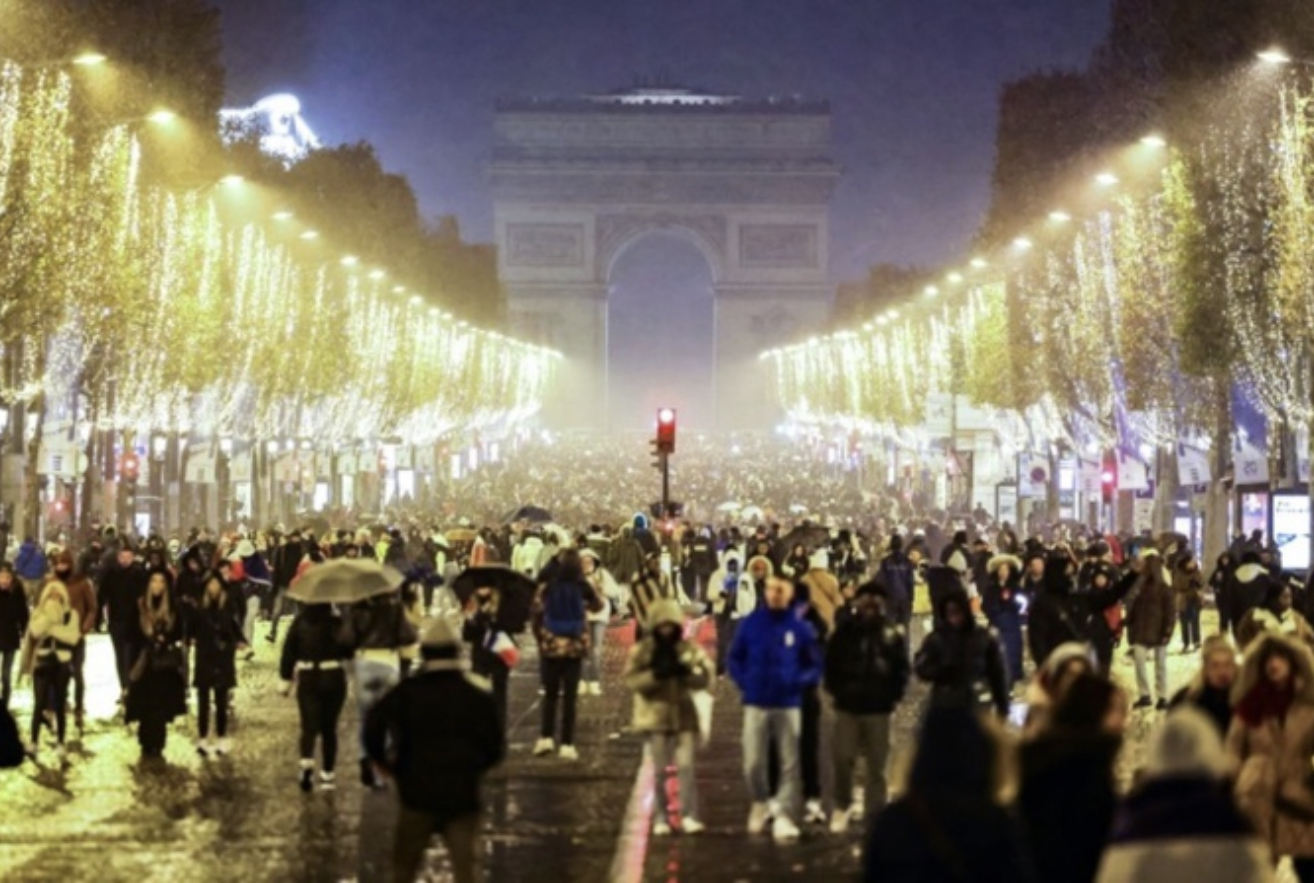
576 182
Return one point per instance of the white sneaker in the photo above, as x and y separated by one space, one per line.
813 813
839 821
327 781
692 826
783 829
595 688
544 747
661 828
757 818
567 752
773 808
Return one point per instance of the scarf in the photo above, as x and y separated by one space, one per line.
1264 701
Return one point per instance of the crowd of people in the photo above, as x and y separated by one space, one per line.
824 618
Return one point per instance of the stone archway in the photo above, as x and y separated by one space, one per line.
575 183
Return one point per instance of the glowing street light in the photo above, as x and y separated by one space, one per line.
1022 243
1106 179
231 180
1158 142
1274 56
416 300
399 289
979 263
931 291
1059 216
163 116
89 59
376 275
309 235
350 260
955 278
283 216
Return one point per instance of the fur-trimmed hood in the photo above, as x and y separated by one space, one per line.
1250 673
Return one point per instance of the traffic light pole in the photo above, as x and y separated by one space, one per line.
666 486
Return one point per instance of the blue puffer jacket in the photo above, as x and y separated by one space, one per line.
774 658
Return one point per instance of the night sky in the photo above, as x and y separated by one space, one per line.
912 84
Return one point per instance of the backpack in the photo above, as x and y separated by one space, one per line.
563 610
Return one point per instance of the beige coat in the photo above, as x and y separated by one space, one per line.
1272 761
666 706
53 630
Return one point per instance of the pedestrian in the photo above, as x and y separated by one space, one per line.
82 598
560 610
963 661
896 575
1188 589
1249 585
1275 614
1057 615
14 617
1180 821
1210 691
52 634
376 629
30 564
1151 618
1220 582
821 617
774 659
1064 665
216 636
255 582
733 599
316 660
122 587
604 587
950 822
1066 796
287 559
650 586
866 674
1268 745
481 631
436 734
157 691
1002 604
665 670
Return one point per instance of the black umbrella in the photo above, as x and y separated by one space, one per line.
810 535
516 593
532 514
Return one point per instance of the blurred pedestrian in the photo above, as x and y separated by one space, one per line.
376 630
1275 614
1003 606
605 589
1052 678
866 674
52 635
14 617
665 670
733 599
1066 795
30 564
1269 745
82 598
121 589
950 823
314 657
774 659
1188 588
436 734
1210 690
1151 620
1220 581
158 679
482 633
1180 821
216 635
963 661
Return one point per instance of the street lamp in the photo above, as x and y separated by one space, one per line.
89 59
163 116
1274 56
1158 142
1060 217
1106 179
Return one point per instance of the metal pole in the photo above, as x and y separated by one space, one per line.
666 485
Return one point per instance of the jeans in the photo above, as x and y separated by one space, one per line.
320 697
50 694
252 614
123 636
203 695
1190 619
665 748
810 743
490 666
762 726
866 736
1160 670
281 605
560 675
725 637
6 675
79 681
593 665
373 679
460 835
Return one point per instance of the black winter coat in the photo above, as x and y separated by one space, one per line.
965 665
437 733
1067 801
215 632
120 590
313 637
13 617
866 665
963 841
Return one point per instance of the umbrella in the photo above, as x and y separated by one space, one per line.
810 535
729 507
798 509
516 590
344 581
532 514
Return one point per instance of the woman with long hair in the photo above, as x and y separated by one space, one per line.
52 635
157 691
216 635
1270 742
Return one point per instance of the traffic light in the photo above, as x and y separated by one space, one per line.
129 468
666 430
1109 478
658 459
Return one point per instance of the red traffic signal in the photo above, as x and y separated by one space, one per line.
129 467
666 430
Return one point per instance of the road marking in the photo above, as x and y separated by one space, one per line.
632 842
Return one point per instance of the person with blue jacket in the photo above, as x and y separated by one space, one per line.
775 657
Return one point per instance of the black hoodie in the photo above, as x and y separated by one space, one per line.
964 664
